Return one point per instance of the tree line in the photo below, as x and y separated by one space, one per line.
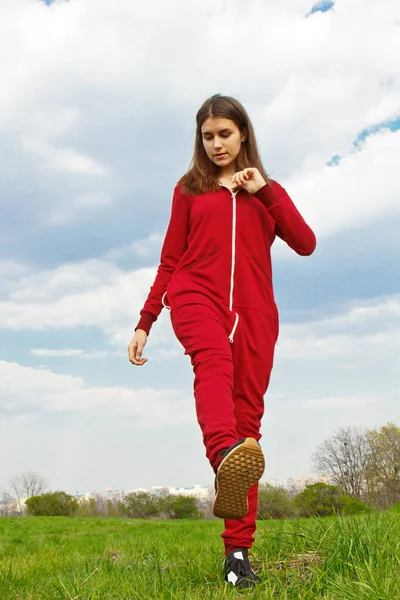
362 466
136 505
274 503
365 463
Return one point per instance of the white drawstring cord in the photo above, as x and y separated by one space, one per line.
232 333
163 303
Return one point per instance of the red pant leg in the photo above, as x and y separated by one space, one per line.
253 353
202 333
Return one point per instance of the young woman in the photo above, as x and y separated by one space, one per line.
215 277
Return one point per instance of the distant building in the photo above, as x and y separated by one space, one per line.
201 492
196 491
298 483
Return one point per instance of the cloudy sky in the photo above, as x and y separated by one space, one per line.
96 125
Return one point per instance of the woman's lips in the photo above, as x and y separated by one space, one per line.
220 155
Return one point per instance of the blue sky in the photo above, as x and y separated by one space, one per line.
321 7
96 126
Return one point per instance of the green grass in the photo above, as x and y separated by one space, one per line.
353 558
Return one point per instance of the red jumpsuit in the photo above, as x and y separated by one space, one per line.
215 276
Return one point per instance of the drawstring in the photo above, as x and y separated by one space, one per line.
232 333
163 303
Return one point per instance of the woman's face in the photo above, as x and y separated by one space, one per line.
222 141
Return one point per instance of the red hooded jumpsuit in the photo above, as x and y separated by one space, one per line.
215 276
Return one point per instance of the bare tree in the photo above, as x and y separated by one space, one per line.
343 456
383 467
21 487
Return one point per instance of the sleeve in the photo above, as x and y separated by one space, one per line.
289 224
174 246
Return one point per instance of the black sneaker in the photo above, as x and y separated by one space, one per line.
242 466
238 571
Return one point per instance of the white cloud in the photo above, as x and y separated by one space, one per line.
94 294
337 198
343 197
65 160
24 389
340 402
67 279
97 294
173 351
347 364
11 271
317 346
71 352
142 248
369 328
56 353
332 80
386 111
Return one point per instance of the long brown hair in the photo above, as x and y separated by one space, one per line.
202 175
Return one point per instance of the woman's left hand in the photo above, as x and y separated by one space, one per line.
249 179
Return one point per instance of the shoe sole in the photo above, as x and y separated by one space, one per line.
236 474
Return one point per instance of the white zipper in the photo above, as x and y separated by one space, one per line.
232 333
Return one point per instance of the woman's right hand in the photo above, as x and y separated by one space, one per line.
136 346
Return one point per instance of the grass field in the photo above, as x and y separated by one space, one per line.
55 558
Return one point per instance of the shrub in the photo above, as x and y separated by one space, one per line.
353 506
323 500
88 508
274 502
140 505
55 504
180 507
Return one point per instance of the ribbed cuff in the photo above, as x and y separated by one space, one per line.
266 196
145 322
